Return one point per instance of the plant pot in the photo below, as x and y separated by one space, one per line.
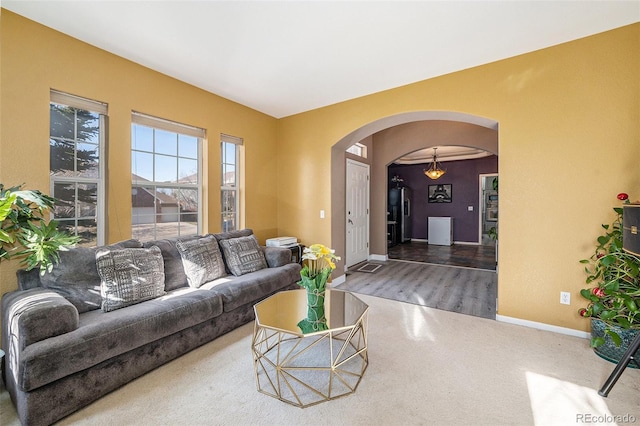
609 350
315 320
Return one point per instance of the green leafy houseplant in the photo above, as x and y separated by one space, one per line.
615 298
25 234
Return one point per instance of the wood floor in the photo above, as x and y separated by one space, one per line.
457 278
470 256
456 289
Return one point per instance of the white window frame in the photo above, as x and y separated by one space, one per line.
358 149
141 119
238 142
101 108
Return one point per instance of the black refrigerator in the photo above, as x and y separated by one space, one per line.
400 213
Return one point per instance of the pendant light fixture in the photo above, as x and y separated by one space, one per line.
434 172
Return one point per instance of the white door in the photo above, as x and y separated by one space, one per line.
357 213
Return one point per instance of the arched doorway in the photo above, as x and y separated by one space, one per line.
409 132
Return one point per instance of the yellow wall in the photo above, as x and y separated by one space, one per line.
572 108
569 141
36 59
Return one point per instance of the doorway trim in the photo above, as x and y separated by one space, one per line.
481 203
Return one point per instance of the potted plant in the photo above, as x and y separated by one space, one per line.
24 232
314 276
614 302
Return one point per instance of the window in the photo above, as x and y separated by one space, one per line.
229 189
76 149
166 184
358 149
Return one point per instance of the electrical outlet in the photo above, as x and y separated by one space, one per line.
565 297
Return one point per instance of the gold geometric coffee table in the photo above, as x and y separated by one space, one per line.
306 369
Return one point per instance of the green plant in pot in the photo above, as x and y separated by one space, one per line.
614 300
319 263
24 232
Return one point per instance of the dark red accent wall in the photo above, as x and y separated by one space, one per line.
464 177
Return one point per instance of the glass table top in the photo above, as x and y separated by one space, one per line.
284 310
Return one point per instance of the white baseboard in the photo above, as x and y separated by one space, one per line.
339 280
502 318
543 326
380 257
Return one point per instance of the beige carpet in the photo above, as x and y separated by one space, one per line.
426 367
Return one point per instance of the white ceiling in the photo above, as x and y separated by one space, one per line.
287 57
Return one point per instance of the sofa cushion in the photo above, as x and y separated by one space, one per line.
174 276
243 255
233 234
254 286
276 256
129 276
201 259
76 277
102 336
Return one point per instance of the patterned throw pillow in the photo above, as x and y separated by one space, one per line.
243 255
201 259
129 276
75 277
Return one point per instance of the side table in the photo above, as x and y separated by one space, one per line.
304 369
296 253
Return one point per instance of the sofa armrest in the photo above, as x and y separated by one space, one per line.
277 256
29 316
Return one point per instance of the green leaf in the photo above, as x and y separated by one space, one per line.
608 260
597 308
612 287
5 237
623 322
6 203
634 268
615 338
597 341
607 315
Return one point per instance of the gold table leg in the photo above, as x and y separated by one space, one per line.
304 370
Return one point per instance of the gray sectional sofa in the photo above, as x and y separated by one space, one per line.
82 331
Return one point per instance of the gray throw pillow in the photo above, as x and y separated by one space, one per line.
76 277
201 259
243 255
129 276
174 276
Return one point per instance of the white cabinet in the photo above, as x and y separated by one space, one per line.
440 231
